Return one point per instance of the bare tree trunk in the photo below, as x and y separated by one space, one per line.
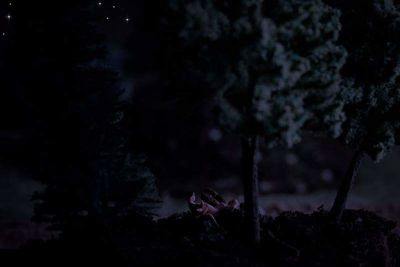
341 198
250 184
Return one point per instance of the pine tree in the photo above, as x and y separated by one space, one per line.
273 65
371 35
128 183
81 146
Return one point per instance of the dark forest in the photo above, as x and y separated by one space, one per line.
200 133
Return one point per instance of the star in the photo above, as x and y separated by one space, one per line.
100 3
8 17
107 18
10 4
113 6
4 34
127 19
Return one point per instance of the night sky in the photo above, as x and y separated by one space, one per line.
116 16
115 19
7 18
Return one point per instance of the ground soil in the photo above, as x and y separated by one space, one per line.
291 239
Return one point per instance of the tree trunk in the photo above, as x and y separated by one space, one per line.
250 185
341 198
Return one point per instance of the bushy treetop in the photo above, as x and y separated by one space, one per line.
274 64
371 35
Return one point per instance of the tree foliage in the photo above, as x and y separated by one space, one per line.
274 64
371 35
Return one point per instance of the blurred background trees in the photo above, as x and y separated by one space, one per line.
69 123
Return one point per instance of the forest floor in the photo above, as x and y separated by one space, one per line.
290 239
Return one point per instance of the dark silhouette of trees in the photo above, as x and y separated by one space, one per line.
370 33
76 121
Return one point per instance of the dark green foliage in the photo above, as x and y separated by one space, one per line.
129 185
274 64
371 35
